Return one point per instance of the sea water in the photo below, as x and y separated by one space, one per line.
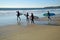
8 17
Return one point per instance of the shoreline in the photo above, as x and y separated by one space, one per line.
40 21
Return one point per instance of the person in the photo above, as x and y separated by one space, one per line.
32 18
49 16
27 16
18 15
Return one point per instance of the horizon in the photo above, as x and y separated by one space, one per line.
28 3
34 7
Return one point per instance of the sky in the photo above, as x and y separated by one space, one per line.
28 3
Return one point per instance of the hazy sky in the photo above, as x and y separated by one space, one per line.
28 3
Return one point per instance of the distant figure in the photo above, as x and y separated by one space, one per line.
49 16
18 15
27 16
32 18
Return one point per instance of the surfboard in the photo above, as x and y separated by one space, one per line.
51 14
21 14
35 17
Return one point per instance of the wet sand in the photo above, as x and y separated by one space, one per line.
53 21
30 32
25 31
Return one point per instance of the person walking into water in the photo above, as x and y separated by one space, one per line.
32 18
18 15
49 16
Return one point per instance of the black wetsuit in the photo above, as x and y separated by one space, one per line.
27 16
32 18
49 16
18 14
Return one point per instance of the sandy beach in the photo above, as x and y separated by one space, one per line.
30 32
42 29
29 19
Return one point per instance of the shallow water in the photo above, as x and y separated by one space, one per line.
8 17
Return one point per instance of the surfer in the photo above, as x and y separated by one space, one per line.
49 16
18 14
32 18
27 16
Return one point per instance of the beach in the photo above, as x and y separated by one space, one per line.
30 32
41 29
29 19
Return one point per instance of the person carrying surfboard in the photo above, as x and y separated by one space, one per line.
32 18
27 16
49 16
18 14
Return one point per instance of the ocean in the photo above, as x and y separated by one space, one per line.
8 17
